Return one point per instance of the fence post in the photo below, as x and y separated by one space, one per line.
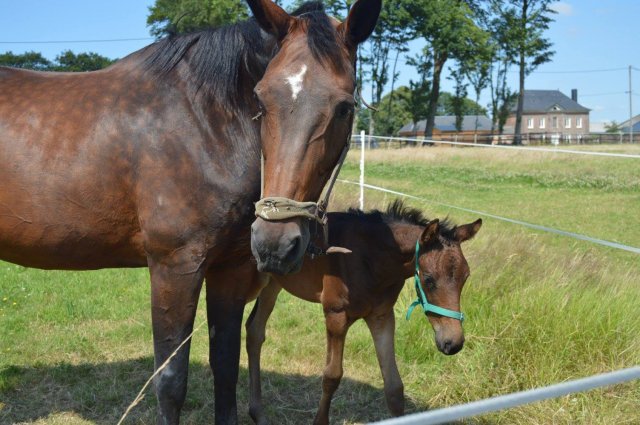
362 138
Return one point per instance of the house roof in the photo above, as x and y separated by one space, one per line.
542 101
448 123
635 125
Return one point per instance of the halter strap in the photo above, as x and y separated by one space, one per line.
422 298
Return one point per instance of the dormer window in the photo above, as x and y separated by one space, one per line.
556 108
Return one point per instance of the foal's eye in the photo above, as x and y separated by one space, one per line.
429 281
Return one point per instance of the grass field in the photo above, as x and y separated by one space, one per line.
76 347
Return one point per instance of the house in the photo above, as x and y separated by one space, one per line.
445 128
631 125
549 115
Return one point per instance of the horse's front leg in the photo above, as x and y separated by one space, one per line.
337 326
256 324
228 290
175 287
382 326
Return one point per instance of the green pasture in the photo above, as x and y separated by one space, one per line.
75 347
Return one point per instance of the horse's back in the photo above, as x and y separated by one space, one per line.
66 198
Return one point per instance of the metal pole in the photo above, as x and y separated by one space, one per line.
630 108
493 404
362 138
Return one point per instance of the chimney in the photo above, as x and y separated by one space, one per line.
574 95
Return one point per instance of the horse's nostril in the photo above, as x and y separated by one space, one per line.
293 248
447 346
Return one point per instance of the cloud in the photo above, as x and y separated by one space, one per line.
563 8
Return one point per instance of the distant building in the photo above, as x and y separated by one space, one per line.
633 122
445 126
549 115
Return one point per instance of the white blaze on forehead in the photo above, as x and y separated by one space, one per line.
295 81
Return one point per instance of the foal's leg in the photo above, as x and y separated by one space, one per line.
337 326
256 324
174 298
227 291
382 327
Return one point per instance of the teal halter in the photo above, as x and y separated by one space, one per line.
422 298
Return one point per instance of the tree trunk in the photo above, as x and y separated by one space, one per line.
371 116
517 139
435 94
393 83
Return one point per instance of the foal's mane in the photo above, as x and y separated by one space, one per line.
398 212
217 57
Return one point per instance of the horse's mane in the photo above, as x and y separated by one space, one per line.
397 212
218 56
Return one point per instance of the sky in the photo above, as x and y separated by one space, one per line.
595 42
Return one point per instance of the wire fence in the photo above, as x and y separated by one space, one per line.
547 229
389 142
528 139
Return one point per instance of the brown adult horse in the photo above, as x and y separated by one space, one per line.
365 285
155 161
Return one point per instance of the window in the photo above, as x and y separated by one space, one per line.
554 122
567 123
541 123
529 122
579 122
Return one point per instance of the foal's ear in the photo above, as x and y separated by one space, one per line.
271 17
430 232
361 21
467 231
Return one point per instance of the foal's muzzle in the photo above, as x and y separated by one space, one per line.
279 246
449 338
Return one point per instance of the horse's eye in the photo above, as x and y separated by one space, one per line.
429 281
344 110
258 101
261 110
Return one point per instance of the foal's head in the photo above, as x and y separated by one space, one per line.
307 106
442 271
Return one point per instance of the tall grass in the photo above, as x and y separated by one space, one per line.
76 347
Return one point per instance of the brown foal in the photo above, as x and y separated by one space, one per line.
365 285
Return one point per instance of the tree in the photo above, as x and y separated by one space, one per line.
28 60
502 97
420 91
477 71
457 100
447 105
450 31
66 61
613 127
522 24
394 112
180 16
71 62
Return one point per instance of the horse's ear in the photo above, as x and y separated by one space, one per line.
430 232
361 21
271 17
467 231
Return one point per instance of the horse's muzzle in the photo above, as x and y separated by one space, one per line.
450 341
279 246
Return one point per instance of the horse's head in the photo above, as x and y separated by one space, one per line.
307 106
442 271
